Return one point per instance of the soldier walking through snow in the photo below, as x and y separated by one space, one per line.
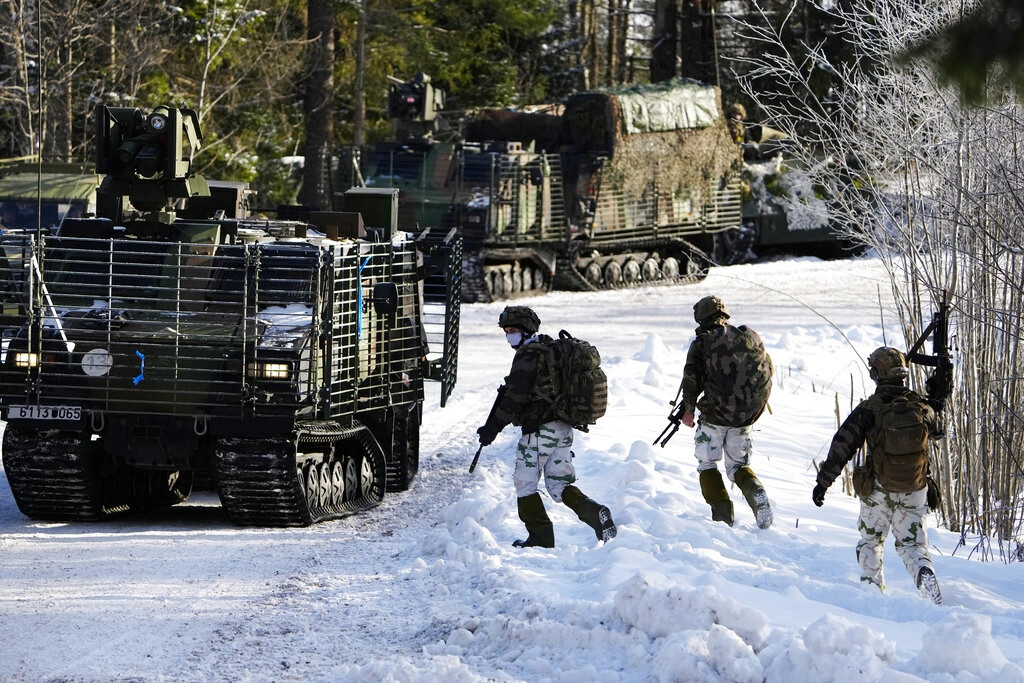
727 377
546 440
898 425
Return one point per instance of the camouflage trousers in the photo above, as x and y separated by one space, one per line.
545 451
904 513
712 443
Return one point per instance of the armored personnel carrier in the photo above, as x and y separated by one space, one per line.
637 185
612 188
283 361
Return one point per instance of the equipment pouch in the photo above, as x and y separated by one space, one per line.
863 480
934 494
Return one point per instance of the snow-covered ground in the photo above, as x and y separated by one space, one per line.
427 586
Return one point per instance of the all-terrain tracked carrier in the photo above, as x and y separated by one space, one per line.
282 362
611 188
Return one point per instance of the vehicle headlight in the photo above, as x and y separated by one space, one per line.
271 370
24 359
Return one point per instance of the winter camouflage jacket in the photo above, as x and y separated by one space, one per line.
518 402
729 366
859 427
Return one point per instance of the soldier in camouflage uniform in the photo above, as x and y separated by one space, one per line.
899 496
546 441
727 377
736 117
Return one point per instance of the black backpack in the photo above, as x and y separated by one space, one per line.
574 382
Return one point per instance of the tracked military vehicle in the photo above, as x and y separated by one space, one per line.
613 188
283 361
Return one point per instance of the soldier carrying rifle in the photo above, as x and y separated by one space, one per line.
894 482
546 442
727 377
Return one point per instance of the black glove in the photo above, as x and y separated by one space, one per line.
487 435
818 494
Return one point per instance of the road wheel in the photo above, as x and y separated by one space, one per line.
312 487
365 477
324 476
351 478
337 483
670 268
613 273
651 271
527 276
631 272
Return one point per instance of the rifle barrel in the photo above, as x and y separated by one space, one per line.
472 465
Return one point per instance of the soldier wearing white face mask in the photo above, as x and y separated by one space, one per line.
546 441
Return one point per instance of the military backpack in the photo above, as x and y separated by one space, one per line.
738 373
900 450
574 382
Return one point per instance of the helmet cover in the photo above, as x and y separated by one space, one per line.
709 306
887 363
520 317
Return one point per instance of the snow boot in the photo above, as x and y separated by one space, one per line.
538 525
755 495
597 516
928 585
713 489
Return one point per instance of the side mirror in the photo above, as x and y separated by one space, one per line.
385 298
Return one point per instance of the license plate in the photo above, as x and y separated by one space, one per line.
44 413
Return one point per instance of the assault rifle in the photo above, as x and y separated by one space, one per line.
494 406
675 418
940 384
472 465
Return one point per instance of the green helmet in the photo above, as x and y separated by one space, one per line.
520 317
887 363
709 306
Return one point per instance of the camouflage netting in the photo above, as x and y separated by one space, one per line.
685 158
688 141
662 107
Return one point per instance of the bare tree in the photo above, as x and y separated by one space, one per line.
60 59
935 189
236 64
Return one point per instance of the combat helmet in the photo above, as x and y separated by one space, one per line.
520 317
708 307
886 363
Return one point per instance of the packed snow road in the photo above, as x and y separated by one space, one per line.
182 594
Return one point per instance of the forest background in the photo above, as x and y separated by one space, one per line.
906 117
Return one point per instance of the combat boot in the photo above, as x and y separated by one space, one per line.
538 525
928 585
713 489
597 516
755 495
